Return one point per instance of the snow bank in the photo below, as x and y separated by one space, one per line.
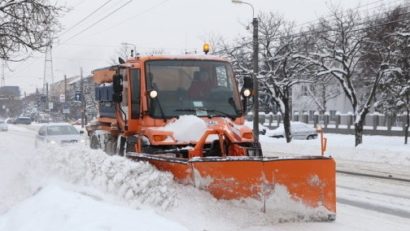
136 182
375 149
54 208
284 208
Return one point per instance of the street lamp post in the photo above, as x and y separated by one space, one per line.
255 72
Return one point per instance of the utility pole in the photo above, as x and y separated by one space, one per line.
65 97
3 77
255 62
82 98
46 106
255 80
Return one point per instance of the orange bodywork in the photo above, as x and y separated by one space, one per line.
234 173
310 180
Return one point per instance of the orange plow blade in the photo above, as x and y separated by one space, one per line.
310 180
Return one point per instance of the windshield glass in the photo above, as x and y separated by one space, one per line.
200 87
61 130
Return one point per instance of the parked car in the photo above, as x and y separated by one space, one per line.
59 133
11 120
23 120
3 126
298 130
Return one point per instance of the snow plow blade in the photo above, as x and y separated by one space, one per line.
309 180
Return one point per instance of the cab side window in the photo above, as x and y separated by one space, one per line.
125 83
135 93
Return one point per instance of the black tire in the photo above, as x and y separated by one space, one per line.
121 146
94 142
131 141
111 147
311 137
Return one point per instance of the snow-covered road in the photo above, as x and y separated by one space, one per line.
34 197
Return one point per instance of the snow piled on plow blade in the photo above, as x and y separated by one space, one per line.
136 182
139 184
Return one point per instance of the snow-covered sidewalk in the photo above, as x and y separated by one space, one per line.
379 155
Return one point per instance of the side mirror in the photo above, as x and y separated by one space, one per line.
81 132
117 85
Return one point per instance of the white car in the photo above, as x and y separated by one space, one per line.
59 133
298 130
3 125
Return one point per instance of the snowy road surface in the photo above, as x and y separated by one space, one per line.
96 192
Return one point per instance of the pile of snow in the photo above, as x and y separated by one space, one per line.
55 208
136 182
284 208
187 128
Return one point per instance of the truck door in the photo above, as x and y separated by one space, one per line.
124 103
135 93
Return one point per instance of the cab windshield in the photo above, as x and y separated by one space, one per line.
199 87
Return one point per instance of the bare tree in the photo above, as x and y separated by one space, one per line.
389 37
322 91
338 52
26 25
280 66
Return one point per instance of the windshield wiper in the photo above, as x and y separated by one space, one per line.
220 112
232 103
160 108
186 109
206 110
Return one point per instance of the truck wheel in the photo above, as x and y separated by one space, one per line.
120 148
94 142
111 147
130 144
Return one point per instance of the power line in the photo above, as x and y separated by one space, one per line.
353 29
100 20
140 13
85 18
362 6
303 33
135 15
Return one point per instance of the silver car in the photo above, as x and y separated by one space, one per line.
3 125
298 130
59 133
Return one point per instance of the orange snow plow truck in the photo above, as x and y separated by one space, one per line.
185 115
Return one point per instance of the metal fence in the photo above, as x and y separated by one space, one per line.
375 124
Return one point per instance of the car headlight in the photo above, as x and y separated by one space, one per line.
51 142
82 141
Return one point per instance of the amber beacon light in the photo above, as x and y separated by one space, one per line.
205 48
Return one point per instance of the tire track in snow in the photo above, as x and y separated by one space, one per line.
373 207
378 193
388 177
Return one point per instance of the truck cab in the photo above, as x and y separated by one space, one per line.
139 99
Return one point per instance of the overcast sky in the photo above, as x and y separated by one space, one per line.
175 26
